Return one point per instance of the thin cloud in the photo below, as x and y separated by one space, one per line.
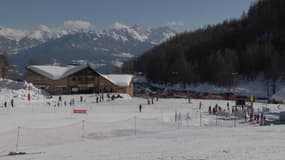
175 24
77 25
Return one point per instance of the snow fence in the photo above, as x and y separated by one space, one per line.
24 138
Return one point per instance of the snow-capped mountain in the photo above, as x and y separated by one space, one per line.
12 34
78 41
124 32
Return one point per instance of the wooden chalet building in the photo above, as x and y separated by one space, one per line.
77 79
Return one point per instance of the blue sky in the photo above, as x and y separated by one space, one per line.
184 14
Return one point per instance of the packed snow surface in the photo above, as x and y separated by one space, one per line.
116 130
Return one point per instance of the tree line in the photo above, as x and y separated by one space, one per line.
247 46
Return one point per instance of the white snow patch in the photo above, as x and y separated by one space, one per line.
122 80
55 72
12 34
136 34
280 95
117 63
119 26
167 35
124 55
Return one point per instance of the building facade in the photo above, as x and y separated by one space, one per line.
77 79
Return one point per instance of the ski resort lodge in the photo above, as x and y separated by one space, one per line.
77 79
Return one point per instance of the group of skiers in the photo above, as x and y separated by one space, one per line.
259 118
178 117
215 109
5 104
62 102
98 98
151 99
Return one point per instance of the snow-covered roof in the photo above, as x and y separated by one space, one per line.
121 80
56 72
279 95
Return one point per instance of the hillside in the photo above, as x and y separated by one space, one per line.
247 46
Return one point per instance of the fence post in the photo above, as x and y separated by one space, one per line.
135 125
216 120
234 119
187 118
175 117
179 119
200 119
18 136
83 128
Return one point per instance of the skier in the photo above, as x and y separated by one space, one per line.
12 103
108 96
228 106
210 110
140 108
113 97
5 104
189 101
81 99
200 105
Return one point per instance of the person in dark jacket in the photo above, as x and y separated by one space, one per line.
12 103
210 110
140 108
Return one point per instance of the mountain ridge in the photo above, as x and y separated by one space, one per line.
80 42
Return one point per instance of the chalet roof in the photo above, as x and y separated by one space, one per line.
122 80
54 72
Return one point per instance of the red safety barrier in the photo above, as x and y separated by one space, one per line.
82 111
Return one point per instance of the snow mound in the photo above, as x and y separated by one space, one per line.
280 95
18 90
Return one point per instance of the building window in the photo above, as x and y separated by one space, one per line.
79 78
73 79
